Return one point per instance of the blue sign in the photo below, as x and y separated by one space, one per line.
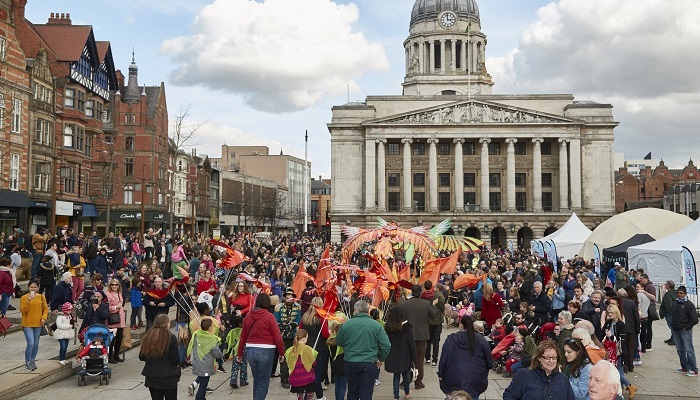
596 258
689 272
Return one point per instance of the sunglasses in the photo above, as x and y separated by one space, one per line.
98 279
113 284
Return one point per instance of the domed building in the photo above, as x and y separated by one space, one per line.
507 168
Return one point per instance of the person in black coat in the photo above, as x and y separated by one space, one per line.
157 301
542 381
62 293
465 361
159 351
402 355
540 304
46 273
630 313
97 312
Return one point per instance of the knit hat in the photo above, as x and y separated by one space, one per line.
681 288
67 307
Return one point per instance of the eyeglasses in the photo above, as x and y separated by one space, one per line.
548 358
98 279
113 284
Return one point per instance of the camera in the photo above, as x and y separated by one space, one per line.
94 300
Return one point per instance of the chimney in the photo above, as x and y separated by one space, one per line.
18 10
59 19
319 178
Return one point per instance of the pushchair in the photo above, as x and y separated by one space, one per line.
95 363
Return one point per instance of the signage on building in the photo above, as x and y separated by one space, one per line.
128 215
64 208
40 204
77 210
6 214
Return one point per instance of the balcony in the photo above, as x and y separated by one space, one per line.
38 105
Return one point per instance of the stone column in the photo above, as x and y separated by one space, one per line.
510 175
370 175
408 59
381 175
563 175
407 199
475 56
443 68
432 56
453 67
537 174
463 64
470 54
575 165
421 57
484 174
432 174
459 175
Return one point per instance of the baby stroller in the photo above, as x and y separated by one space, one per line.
95 363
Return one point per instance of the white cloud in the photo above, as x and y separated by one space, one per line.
636 55
281 55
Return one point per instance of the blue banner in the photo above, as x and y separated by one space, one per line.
537 248
551 251
689 272
596 258
510 246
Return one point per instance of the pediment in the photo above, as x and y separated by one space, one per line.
473 112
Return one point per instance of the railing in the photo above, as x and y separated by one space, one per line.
661 291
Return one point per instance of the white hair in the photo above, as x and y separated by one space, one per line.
613 375
361 306
538 283
580 333
566 315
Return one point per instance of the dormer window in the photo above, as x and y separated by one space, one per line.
448 93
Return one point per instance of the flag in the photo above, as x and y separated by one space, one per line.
324 272
648 156
299 283
467 280
435 267
331 316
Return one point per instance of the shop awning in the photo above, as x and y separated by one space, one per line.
89 210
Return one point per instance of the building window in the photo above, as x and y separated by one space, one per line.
394 149
79 138
108 139
495 179
443 149
394 201
90 108
129 194
129 143
470 179
106 115
520 149
68 176
547 201
42 171
469 149
14 171
444 180
520 179
495 201
88 145
547 179
16 115
419 179
129 118
42 134
520 201
3 49
546 148
80 100
418 149
394 179
469 198
129 166
68 136
494 149
69 98
2 110
418 201
444 201
86 183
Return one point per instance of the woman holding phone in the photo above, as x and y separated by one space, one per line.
34 313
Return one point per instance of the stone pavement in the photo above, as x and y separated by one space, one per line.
655 377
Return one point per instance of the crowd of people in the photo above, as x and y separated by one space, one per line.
559 330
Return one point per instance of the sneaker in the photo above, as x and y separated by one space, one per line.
209 390
324 387
221 368
322 398
190 389
650 349
692 373
427 361
376 382
434 364
681 371
285 385
233 385
10 308
637 363
244 384
62 362
33 365
28 367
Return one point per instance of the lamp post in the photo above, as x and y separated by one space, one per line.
306 182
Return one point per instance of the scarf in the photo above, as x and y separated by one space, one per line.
682 300
307 354
158 294
205 342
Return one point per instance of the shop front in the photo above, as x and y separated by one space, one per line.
13 210
39 214
87 216
123 221
64 215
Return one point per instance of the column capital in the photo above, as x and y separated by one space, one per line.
511 140
564 140
458 140
484 140
380 141
433 141
537 140
409 141
442 40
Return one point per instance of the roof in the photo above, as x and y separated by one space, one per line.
67 41
102 48
319 184
429 9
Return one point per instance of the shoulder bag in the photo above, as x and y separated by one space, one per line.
652 312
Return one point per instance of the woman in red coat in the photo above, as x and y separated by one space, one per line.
241 299
491 305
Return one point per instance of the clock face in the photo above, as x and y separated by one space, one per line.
448 19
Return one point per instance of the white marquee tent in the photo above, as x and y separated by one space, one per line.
568 240
662 259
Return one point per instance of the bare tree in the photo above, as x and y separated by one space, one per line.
110 179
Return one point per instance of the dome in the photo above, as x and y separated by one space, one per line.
429 9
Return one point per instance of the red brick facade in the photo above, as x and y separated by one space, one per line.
649 188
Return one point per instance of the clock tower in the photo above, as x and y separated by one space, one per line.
445 50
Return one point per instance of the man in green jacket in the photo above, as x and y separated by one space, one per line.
666 309
366 346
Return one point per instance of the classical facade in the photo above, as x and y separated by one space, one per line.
504 167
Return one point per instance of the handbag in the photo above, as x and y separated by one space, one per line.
5 324
114 318
653 313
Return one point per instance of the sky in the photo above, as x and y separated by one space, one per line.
264 72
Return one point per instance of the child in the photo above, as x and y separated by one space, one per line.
498 331
232 341
300 359
203 350
517 351
337 357
136 303
64 331
95 349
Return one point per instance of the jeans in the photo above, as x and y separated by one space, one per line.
406 383
433 343
685 349
63 348
136 312
621 369
341 387
360 378
260 360
36 259
669 323
645 335
5 303
163 394
202 388
321 366
181 347
32 336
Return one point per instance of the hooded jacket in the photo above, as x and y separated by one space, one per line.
534 384
260 327
459 369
